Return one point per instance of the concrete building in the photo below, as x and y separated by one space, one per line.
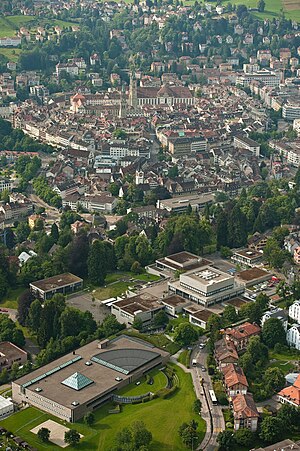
142 307
247 257
181 261
81 381
62 283
253 276
174 305
10 354
206 286
244 142
284 445
199 318
266 77
6 407
179 204
291 111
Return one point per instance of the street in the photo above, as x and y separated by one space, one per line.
211 414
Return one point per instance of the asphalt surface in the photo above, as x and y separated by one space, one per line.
211 414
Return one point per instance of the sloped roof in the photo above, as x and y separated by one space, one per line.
244 406
292 393
234 375
77 381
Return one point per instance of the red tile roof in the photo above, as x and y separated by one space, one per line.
243 331
244 407
292 393
234 375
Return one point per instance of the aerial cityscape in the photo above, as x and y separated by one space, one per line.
150 225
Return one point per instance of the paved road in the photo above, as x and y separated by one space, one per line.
211 414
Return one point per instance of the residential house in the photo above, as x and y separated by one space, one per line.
291 395
245 413
235 380
240 335
277 313
293 336
225 353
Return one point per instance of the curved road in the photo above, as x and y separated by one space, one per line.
211 414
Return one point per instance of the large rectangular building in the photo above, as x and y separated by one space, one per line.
62 283
206 286
83 380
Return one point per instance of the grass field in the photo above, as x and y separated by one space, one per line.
11 299
11 54
291 8
118 282
10 24
169 413
159 381
283 361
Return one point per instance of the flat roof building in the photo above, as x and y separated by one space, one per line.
179 204
253 276
62 283
6 407
247 257
181 261
9 354
206 286
143 306
83 380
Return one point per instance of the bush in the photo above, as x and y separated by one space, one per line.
211 370
146 399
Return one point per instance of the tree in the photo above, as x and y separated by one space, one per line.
97 263
185 334
229 314
289 415
271 429
110 326
197 406
161 319
140 435
274 380
24 302
273 332
89 418
72 437
261 6
188 433
79 246
226 440
138 323
43 434
34 315
244 437
54 232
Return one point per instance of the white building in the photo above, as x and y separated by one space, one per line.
206 286
277 313
265 76
6 407
293 336
5 185
294 311
291 111
10 42
244 142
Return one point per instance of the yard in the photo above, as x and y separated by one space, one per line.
159 381
159 340
170 413
11 299
10 54
117 284
9 25
284 361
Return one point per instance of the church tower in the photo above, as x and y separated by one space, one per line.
133 102
123 104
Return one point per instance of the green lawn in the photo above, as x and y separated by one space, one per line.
11 299
159 340
9 25
283 361
184 358
118 282
11 54
272 8
159 381
161 416
111 291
